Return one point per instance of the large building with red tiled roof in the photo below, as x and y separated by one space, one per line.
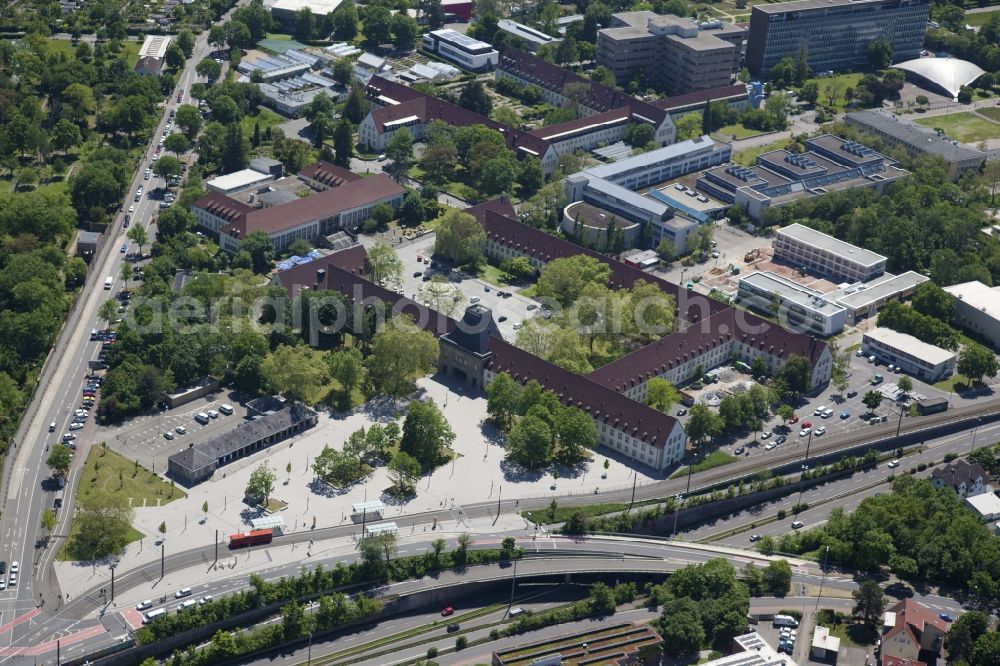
911 631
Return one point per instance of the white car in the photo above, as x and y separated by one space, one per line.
212 414
15 567
207 599
75 426
893 464
820 431
805 432
143 605
766 435
769 446
131 209
13 580
819 410
168 435
184 605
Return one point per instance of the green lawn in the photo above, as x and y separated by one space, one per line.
736 131
562 513
991 112
979 19
493 275
748 157
854 635
714 459
111 471
831 89
265 118
965 126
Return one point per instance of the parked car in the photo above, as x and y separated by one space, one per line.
181 430
845 415
682 412
851 394
168 435
738 451
946 617
781 439
766 434
805 432
794 419
820 431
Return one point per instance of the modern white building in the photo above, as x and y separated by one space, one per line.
864 299
533 39
155 46
797 308
977 309
470 53
985 505
813 250
238 180
924 361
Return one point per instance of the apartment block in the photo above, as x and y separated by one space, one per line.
679 55
835 33
813 250
977 309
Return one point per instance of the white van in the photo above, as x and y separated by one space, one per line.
108 281
201 417
226 409
183 592
474 300
184 605
785 621
153 614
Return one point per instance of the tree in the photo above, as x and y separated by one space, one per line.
575 433
356 107
305 23
217 36
498 175
65 135
503 395
809 92
404 470
438 161
108 311
235 150
261 483
530 177
879 52
137 234
905 385
518 269
377 27
210 69
336 467
869 602
175 56
778 577
48 520
703 423
384 266
976 361
347 367
688 126
426 433
400 151
931 300
563 280
794 378
785 412
459 237
343 144
261 249
295 372
474 98
963 635
239 35
167 166
60 459
802 69
661 394
103 521
530 441
681 627
189 120
640 135
405 31
872 399
412 211
177 143
400 353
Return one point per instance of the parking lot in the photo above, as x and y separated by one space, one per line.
515 309
142 438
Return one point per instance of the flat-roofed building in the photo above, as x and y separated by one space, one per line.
463 50
924 361
796 307
834 33
977 309
918 140
599 228
155 46
238 180
781 177
679 55
285 11
813 250
865 299
532 38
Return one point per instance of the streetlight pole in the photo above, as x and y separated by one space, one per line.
808 445
826 554
112 583
677 512
309 657
513 581
975 430
802 479
899 424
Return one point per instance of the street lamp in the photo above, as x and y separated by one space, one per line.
975 430
826 553
677 512
802 479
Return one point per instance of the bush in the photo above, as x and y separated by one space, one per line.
461 643
950 456
432 652
921 467
781 514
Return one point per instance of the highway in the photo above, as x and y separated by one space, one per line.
29 612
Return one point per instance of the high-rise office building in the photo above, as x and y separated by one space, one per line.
676 54
835 33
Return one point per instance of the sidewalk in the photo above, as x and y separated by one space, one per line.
238 566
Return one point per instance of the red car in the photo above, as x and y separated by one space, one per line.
794 419
806 424
447 611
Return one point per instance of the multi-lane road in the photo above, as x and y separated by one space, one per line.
29 611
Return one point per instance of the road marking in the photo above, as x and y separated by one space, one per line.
24 618
50 646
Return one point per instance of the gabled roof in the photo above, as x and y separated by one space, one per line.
352 260
316 206
598 97
221 206
328 174
913 618
148 63
600 402
407 104
720 94
958 472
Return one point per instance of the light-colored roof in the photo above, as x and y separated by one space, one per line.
985 504
911 345
318 7
919 137
861 295
675 152
236 180
818 239
526 33
154 46
824 641
793 292
978 295
370 506
268 522
948 73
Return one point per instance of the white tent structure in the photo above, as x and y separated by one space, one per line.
947 74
